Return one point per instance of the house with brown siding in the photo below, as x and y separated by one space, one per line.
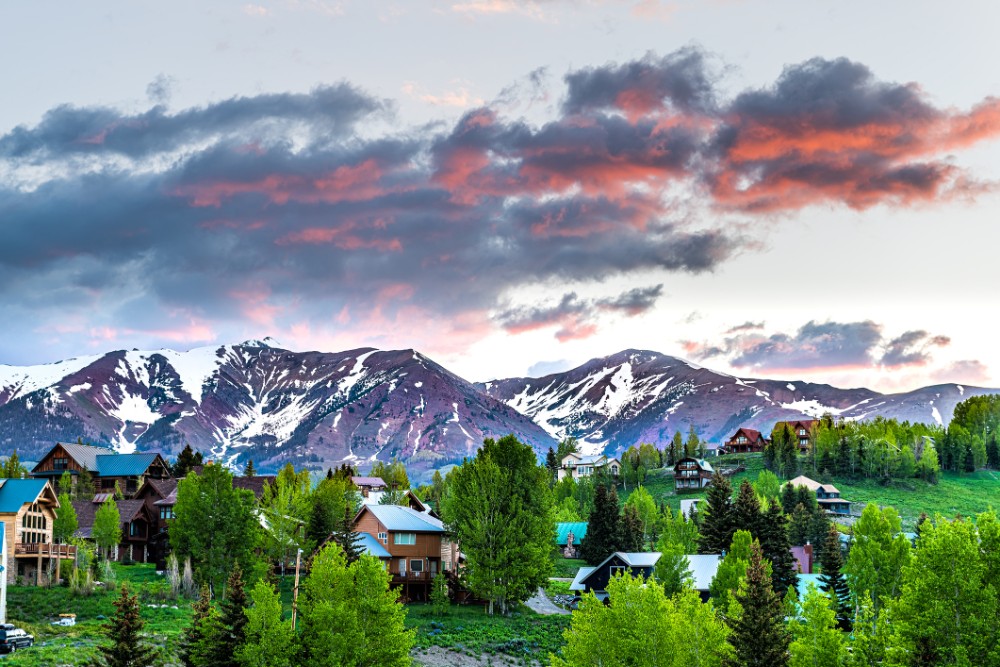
691 474
417 544
128 471
136 523
801 429
28 509
745 441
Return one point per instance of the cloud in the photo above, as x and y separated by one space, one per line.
968 371
819 345
308 209
543 368
576 317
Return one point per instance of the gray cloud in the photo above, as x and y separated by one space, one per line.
911 349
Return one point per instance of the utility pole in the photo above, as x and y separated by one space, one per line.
295 589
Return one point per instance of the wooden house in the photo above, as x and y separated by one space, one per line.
578 466
827 495
702 568
370 487
151 493
416 542
691 474
745 441
28 508
137 526
108 468
801 429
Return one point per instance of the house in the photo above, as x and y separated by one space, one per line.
689 507
151 493
692 474
255 483
801 429
803 559
28 508
108 468
746 441
137 524
578 466
702 568
569 536
417 544
827 495
370 487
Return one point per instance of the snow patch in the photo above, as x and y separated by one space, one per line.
812 407
961 389
936 415
791 387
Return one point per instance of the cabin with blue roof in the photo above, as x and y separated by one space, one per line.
128 471
28 509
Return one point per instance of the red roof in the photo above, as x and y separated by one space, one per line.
748 432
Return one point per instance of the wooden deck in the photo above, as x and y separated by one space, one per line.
44 550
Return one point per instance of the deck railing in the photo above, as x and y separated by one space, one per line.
45 549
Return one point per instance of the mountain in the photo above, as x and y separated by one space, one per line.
257 401
637 396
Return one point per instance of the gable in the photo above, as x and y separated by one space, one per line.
16 493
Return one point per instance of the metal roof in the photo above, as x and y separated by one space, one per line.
85 455
398 518
581 574
579 530
373 547
369 481
639 558
14 493
703 568
124 465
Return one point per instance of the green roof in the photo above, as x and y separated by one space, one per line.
14 493
579 530
123 465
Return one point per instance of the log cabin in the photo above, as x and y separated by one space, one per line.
28 509
746 441
691 474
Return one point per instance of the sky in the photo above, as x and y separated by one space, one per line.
772 189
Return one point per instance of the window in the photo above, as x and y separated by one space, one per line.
60 463
802 431
166 513
416 565
384 537
615 569
404 538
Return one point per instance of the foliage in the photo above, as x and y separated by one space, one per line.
672 569
357 601
678 529
128 648
269 639
832 580
604 527
65 523
817 641
759 636
641 627
499 507
392 473
773 536
718 519
185 462
12 468
767 484
440 600
192 639
84 485
286 506
249 470
216 525
232 619
107 528
732 570
877 557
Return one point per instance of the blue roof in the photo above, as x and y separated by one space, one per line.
396 517
372 547
124 465
14 493
579 530
802 586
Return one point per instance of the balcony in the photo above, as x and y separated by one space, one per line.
34 550
411 577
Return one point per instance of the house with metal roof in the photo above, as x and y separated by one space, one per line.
827 495
136 523
569 536
416 541
702 568
691 474
107 467
28 509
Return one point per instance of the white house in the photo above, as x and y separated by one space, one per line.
578 466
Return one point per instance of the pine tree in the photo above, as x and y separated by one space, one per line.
832 580
249 471
774 545
789 499
186 460
631 538
718 522
347 538
604 527
676 448
818 642
759 636
746 509
232 617
84 485
993 451
798 526
193 635
551 462
128 647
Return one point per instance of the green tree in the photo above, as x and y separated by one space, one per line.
84 485
746 509
799 525
631 538
551 464
871 635
732 570
232 619
832 580
286 506
767 485
65 484
65 523
567 447
947 611
758 633
817 641
440 600
185 462
604 527
907 464
392 473
993 451
567 511
107 528
358 602
676 449
331 500
347 538
12 467
718 519
877 557
928 466
249 470
673 569
499 508
192 638
678 529
692 443
128 647
269 640
215 525
645 507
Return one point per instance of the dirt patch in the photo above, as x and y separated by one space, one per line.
435 656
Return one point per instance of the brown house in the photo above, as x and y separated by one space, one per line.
746 441
137 526
416 542
28 508
691 474
155 491
802 430
128 471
